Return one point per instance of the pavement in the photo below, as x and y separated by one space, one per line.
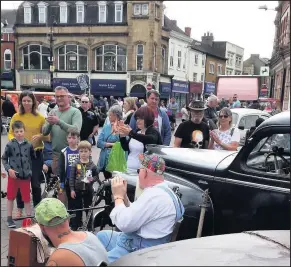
4 229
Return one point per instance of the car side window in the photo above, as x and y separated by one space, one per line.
242 122
250 121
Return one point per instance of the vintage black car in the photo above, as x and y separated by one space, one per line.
249 190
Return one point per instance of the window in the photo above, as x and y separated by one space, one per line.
211 68
157 11
203 61
42 12
27 13
80 12
202 78
110 58
195 77
196 59
139 57
219 69
36 57
238 62
102 7
172 56
184 60
118 12
7 59
230 59
155 57
140 9
229 72
179 59
63 12
73 57
237 73
163 61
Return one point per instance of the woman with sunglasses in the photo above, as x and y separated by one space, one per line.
33 122
225 137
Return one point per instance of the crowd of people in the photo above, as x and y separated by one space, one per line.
57 136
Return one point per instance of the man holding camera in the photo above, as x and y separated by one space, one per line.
147 222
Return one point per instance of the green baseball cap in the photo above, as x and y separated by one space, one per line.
51 212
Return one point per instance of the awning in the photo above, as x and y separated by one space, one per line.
71 84
180 87
108 87
195 88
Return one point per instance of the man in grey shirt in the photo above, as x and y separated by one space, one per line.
72 248
59 122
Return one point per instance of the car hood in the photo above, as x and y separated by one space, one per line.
190 159
259 248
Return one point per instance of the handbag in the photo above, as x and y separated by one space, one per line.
116 160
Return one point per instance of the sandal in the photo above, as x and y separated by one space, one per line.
19 213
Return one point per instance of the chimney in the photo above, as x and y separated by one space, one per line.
188 31
208 38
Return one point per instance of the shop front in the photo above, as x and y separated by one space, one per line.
195 90
180 90
70 83
165 91
102 87
35 80
209 88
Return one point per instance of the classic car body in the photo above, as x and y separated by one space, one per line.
261 248
247 191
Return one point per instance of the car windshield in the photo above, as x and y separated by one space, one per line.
279 140
234 118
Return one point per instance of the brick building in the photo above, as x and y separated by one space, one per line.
7 49
215 62
116 45
280 61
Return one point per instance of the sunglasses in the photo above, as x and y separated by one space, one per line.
223 116
85 102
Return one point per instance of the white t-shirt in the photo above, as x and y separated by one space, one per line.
42 109
135 148
226 137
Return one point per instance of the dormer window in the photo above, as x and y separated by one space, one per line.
80 10
63 12
27 13
42 12
118 11
102 11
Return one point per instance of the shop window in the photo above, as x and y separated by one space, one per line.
110 58
73 58
36 57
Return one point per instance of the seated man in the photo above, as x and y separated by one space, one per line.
147 222
72 248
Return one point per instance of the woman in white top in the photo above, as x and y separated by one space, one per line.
185 114
163 107
225 137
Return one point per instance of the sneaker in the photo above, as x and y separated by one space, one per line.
11 224
19 213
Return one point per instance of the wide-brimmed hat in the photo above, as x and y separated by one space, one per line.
196 105
51 212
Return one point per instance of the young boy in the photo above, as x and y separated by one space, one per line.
82 176
17 162
68 156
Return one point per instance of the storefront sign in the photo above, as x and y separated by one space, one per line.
209 88
108 87
71 84
36 79
165 90
195 88
180 87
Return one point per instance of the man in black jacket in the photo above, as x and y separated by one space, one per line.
8 109
210 114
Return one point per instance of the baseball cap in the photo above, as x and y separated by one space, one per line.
51 212
153 162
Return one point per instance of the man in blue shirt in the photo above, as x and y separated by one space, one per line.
236 103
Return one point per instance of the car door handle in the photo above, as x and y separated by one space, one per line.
202 182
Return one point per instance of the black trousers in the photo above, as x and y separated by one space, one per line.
36 178
82 200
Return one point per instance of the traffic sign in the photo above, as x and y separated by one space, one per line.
265 71
149 87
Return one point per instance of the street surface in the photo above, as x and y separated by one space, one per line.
4 229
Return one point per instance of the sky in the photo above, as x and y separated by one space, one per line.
240 23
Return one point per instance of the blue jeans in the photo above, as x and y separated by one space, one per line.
90 140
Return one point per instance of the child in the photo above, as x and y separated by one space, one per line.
17 162
68 156
82 176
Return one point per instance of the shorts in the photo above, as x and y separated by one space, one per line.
14 185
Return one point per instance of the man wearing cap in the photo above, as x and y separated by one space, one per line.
147 222
72 248
193 133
